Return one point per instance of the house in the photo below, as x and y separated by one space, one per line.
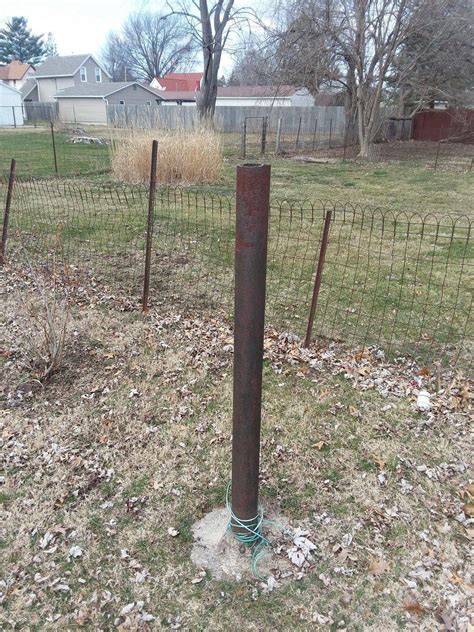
11 111
62 72
179 82
240 96
87 102
15 74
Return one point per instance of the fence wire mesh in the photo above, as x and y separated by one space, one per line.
401 281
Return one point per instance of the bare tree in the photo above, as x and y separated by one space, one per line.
211 23
150 45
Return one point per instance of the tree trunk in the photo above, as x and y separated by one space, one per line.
367 148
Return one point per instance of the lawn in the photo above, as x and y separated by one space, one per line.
131 438
106 465
409 185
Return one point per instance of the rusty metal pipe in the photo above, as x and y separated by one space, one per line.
253 193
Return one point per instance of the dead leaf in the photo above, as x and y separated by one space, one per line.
319 445
379 461
424 372
377 567
468 509
414 607
353 411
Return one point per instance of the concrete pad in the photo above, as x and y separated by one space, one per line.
217 551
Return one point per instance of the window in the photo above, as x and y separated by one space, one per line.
98 75
122 102
83 72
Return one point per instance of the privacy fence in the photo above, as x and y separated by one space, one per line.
402 281
27 114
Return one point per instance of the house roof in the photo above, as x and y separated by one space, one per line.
8 87
181 81
256 91
14 70
64 66
100 90
27 87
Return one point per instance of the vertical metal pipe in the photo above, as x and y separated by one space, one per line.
278 136
149 227
54 148
6 213
253 192
14 116
317 281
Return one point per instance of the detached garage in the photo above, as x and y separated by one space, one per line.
87 102
11 111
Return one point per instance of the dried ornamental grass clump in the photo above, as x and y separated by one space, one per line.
184 156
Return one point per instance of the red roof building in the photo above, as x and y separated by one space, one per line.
16 73
179 82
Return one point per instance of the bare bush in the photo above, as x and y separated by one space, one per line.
47 327
184 156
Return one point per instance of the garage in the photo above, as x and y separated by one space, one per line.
87 102
11 111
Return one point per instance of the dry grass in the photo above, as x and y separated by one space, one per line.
184 156
133 437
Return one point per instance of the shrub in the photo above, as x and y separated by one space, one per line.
184 156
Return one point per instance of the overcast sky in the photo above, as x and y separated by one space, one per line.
81 26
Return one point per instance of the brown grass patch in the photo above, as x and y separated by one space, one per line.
184 156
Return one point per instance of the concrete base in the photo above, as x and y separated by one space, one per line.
217 550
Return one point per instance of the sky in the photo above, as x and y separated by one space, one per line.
81 26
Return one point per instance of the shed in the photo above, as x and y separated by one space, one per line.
87 102
11 111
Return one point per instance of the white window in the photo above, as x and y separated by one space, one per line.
83 72
98 75
122 102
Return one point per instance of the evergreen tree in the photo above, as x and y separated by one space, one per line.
18 42
50 47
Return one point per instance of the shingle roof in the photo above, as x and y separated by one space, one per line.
61 66
100 89
27 87
181 81
14 70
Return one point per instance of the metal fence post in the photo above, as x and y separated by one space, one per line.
278 136
298 134
6 214
54 148
149 227
14 116
243 139
317 281
264 134
314 133
253 192
330 132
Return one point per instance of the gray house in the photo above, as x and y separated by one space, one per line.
87 103
59 73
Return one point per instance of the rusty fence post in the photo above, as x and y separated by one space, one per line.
253 192
243 138
317 281
264 134
278 137
54 147
149 227
297 140
6 213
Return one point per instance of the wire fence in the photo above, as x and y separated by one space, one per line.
401 281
